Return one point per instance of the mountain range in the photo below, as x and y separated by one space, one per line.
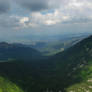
17 51
67 71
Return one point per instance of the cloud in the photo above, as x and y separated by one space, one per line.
4 6
38 19
7 22
40 5
34 5
53 18
46 12
64 11
48 18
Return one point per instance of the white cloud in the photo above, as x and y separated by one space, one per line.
64 11
37 18
24 19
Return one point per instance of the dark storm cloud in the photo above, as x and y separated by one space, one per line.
4 6
34 5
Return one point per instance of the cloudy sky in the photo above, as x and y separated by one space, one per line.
22 18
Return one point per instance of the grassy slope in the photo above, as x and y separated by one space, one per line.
79 73
8 86
86 84
73 66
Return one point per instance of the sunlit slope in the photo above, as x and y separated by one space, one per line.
8 86
84 72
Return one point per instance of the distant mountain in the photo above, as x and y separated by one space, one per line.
17 51
49 48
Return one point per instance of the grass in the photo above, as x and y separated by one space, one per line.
86 84
8 86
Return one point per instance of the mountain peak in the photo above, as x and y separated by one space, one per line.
4 44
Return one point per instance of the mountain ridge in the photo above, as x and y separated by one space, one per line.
63 72
17 51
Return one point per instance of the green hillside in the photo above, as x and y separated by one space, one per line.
8 86
75 66
83 72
